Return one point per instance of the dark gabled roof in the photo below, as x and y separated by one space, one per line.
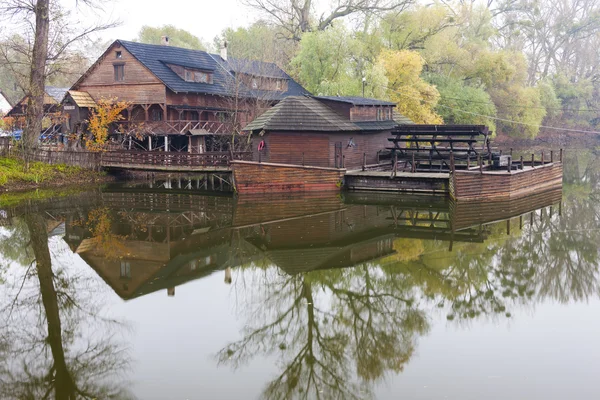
401 119
57 93
357 101
376 125
308 113
301 113
262 69
157 57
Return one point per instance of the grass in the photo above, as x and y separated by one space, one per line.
12 172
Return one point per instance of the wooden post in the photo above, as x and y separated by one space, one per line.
413 166
532 160
468 161
149 143
166 143
343 160
364 162
451 162
542 157
521 162
551 156
490 158
395 163
509 165
561 155
480 162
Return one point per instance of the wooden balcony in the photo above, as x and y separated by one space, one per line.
175 127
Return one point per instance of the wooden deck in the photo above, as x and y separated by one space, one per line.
409 182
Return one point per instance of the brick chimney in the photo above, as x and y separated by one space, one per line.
224 50
164 40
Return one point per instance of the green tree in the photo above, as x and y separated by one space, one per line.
177 37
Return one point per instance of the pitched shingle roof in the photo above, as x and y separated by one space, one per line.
305 113
82 99
357 101
156 58
301 113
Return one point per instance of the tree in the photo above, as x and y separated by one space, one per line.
414 97
102 117
49 31
298 17
177 37
260 41
332 62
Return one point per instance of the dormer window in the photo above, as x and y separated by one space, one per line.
277 84
200 77
254 83
192 74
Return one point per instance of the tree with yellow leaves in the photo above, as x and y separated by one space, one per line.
415 98
107 112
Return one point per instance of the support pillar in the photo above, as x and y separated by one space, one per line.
166 143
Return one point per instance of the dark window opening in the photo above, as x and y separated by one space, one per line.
118 54
125 269
119 72
157 115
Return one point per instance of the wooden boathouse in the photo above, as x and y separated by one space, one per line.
328 143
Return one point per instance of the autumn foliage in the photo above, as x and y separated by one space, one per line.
107 112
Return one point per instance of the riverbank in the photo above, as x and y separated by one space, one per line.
13 178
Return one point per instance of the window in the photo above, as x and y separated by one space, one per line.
157 115
254 83
278 85
201 77
118 54
189 76
119 72
125 269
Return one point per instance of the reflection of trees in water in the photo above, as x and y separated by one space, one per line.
54 341
335 332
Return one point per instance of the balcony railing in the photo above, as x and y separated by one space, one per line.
171 159
175 127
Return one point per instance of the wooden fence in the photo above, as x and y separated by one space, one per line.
131 159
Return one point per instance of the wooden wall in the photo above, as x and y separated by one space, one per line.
251 177
319 148
139 86
473 185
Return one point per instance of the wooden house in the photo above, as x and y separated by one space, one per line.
324 131
181 99
52 99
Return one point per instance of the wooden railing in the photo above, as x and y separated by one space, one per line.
175 127
171 159
135 159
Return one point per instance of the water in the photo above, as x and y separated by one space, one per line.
129 292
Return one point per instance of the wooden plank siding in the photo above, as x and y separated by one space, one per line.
474 185
139 86
252 177
319 148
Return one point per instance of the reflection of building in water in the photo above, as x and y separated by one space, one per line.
140 243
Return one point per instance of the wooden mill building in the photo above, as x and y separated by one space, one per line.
324 131
181 99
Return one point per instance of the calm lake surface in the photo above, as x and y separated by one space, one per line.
133 292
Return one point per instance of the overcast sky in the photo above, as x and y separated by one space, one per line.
203 18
